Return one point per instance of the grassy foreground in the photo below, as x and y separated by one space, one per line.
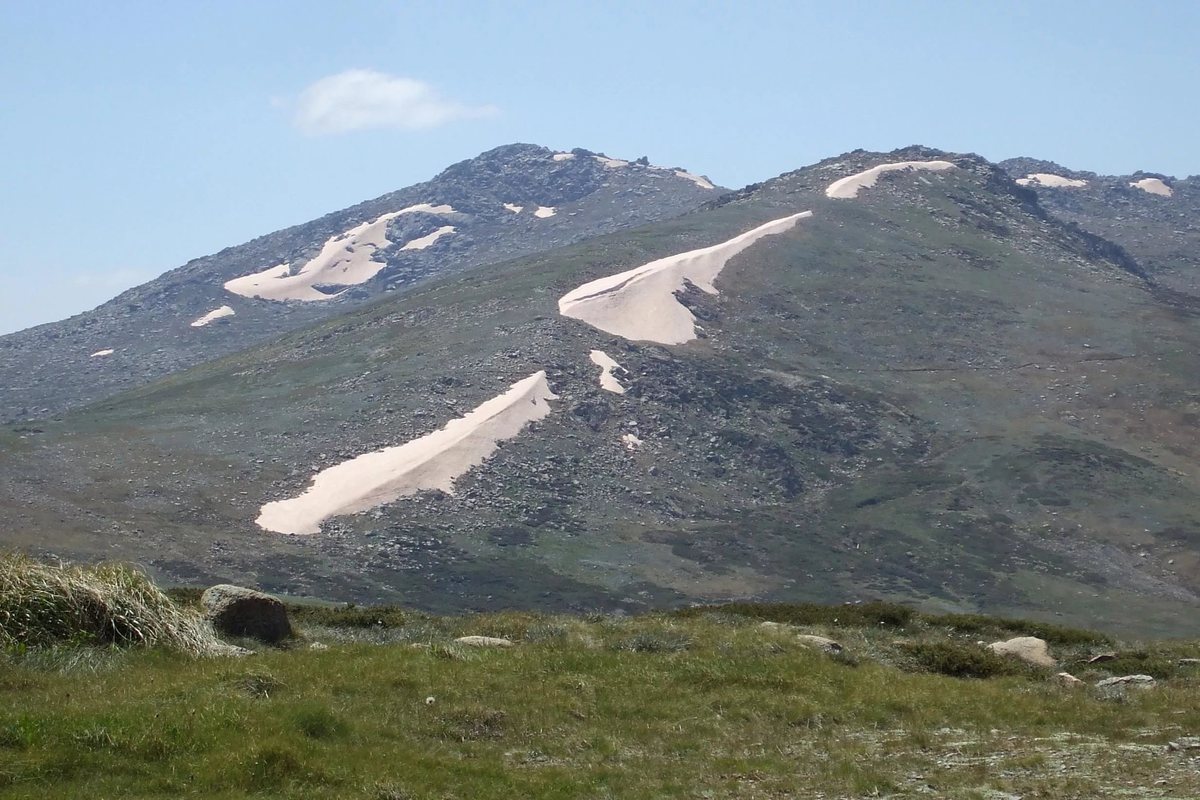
705 703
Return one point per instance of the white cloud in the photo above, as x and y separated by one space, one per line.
359 99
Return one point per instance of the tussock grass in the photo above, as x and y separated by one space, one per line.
44 605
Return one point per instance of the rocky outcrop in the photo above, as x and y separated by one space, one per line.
238 611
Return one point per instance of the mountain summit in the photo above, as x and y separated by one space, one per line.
508 202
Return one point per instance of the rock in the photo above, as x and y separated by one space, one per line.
1067 679
483 641
317 646
238 611
1136 681
1185 743
1189 662
1029 649
1100 658
819 643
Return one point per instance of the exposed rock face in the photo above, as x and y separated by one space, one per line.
1029 649
238 611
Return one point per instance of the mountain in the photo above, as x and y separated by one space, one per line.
894 376
1155 217
508 202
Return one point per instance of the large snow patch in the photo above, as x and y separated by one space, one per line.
848 188
640 303
345 260
1051 180
1153 186
434 461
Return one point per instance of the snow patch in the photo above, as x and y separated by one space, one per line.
630 441
513 208
1050 180
611 163
608 381
100 353
1153 186
421 242
543 212
640 303
848 188
215 314
563 156
696 179
434 461
345 260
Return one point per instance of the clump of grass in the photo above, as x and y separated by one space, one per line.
44 605
256 683
959 660
654 642
318 722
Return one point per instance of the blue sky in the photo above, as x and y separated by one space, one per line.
139 135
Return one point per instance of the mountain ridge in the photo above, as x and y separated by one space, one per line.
49 368
907 396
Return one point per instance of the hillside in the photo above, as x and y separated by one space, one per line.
511 201
1155 217
929 389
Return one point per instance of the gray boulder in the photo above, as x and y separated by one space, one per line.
238 611
1136 681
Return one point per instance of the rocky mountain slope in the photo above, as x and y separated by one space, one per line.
929 388
508 202
1155 217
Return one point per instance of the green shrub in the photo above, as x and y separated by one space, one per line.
1001 627
349 616
859 615
961 660
653 642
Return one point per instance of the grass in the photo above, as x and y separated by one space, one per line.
702 703
109 604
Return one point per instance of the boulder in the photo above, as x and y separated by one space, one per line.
1029 649
1185 743
1134 681
819 642
483 641
1067 679
238 611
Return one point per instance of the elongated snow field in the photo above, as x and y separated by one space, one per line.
345 260
434 461
848 188
640 303
608 381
